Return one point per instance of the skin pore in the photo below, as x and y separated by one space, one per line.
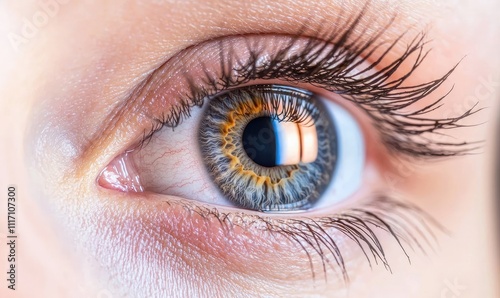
65 100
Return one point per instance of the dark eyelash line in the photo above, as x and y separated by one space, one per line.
279 104
329 61
401 220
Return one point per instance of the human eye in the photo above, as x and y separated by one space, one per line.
285 140
329 113
265 147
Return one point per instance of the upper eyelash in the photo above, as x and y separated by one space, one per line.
401 220
381 97
291 109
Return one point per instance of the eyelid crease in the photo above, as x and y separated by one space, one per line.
334 64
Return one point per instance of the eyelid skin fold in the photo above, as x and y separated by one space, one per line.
384 98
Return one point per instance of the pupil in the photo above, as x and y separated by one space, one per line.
259 141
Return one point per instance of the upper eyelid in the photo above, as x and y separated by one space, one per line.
397 96
343 19
138 99
125 108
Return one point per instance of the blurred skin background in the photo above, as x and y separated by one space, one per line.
67 79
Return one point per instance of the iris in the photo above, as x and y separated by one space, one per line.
269 147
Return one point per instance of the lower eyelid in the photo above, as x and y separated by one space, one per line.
212 242
207 239
232 240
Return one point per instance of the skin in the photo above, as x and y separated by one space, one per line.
59 92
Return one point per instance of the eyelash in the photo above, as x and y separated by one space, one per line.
326 62
403 221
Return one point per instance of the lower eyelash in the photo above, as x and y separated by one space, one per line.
411 228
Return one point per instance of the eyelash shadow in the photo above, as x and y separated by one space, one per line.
412 229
